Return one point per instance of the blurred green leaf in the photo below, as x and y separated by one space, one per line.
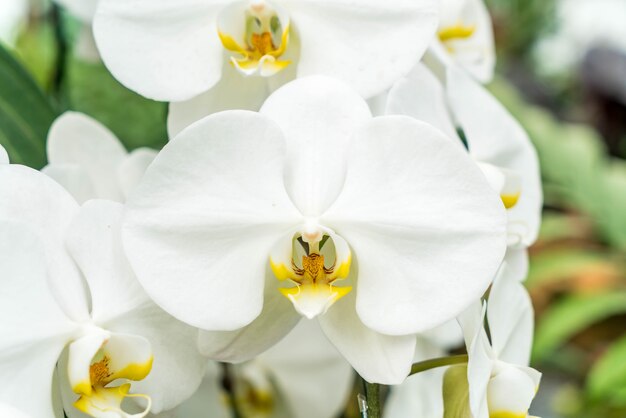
607 379
573 315
137 121
456 393
25 114
37 50
559 264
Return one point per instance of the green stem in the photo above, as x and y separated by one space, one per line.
372 394
422 366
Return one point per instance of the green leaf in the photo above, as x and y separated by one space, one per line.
456 393
25 114
607 379
554 265
137 121
573 315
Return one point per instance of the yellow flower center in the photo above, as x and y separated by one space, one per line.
456 32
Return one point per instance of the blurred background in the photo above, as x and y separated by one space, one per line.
561 72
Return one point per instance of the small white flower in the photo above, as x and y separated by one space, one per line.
240 50
316 193
90 162
69 296
465 38
496 141
501 384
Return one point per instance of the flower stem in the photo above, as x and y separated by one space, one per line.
372 394
422 366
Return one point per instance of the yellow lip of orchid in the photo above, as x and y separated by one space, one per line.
506 414
117 357
264 41
314 291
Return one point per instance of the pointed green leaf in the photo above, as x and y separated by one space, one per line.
25 114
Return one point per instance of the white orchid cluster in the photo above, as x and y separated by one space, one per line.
338 192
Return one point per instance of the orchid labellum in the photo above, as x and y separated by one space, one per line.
379 227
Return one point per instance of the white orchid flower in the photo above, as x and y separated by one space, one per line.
386 205
70 296
465 38
500 382
239 50
496 142
90 162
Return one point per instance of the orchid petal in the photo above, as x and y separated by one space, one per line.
29 196
276 320
209 400
121 305
318 116
421 95
510 391
425 228
495 137
511 319
133 168
93 241
75 138
311 375
365 43
232 92
480 364
200 226
517 260
8 411
73 178
38 330
162 50
376 357
419 396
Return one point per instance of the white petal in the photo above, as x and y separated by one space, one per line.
75 138
446 336
178 368
421 96
420 396
209 400
29 196
200 226
376 357
93 240
425 228
511 319
311 375
318 116
366 43
511 390
133 168
8 411
276 320
480 364
73 178
121 305
34 328
83 9
232 92
517 260
4 157
162 50
495 137
81 352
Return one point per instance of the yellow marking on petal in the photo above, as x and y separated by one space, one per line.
281 271
135 371
510 200
231 45
456 32
507 414
344 269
